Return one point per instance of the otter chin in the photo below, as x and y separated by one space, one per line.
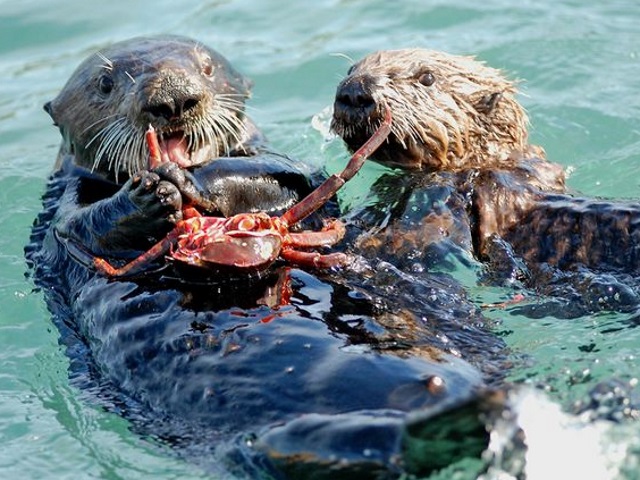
449 112
188 92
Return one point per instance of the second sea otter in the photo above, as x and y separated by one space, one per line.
461 138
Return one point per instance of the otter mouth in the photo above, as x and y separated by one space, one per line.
178 147
356 125
355 129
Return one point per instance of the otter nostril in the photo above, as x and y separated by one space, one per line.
354 94
162 110
172 108
190 104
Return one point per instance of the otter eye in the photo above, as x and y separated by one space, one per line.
207 67
351 69
105 84
427 79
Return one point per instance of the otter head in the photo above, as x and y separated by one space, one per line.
449 112
189 93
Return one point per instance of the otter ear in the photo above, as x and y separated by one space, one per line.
248 85
48 107
487 103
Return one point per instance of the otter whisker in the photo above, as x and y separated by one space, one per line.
230 104
113 145
343 55
103 131
108 137
201 135
103 119
231 98
121 145
226 125
199 138
234 96
108 64
191 142
208 137
222 134
195 139
138 150
122 152
234 128
131 152
217 138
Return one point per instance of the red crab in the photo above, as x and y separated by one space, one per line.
253 241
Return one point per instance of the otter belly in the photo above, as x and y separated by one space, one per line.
228 373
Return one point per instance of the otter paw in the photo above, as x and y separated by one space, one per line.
171 199
171 172
155 197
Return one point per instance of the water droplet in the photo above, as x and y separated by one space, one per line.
436 385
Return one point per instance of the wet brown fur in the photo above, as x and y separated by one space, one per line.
450 113
468 117
456 115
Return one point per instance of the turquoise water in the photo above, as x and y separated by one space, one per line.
580 68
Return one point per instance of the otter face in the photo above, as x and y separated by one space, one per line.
189 93
449 112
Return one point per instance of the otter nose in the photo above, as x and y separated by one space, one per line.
168 94
354 93
171 105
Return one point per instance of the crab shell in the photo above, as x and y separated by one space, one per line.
245 241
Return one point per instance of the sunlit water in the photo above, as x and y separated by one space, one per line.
580 68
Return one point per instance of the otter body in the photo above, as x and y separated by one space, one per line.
236 372
457 123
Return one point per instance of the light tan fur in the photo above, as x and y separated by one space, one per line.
467 118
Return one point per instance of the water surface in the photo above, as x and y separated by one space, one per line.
579 63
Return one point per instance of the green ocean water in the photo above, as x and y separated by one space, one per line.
579 63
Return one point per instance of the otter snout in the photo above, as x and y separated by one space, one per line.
354 101
169 98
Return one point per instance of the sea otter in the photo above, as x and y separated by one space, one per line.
194 99
470 181
285 371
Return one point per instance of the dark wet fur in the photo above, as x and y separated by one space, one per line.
573 255
570 255
209 364
239 372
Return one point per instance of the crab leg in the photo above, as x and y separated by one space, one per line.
154 148
160 248
331 185
331 234
314 259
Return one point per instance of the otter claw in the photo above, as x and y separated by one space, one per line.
169 195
